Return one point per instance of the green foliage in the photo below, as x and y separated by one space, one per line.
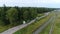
12 15
33 13
25 15
1 23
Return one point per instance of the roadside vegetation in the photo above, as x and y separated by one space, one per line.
57 24
46 30
48 27
32 27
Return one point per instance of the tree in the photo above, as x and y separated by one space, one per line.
1 22
3 15
32 13
12 16
25 15
20 14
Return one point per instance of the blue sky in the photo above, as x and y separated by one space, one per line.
31 3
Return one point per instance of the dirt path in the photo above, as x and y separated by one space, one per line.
43 26
52 27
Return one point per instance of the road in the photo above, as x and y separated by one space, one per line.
43 26
14 29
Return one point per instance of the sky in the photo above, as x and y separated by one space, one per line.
31 3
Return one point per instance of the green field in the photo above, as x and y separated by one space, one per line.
57 25
32 27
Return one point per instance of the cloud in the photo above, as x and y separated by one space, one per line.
31 1
49 1
1 2
34 3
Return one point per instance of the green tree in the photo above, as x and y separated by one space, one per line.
20 14
25 15
32 13
12 16
1 22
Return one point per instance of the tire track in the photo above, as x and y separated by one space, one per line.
43 26
52 27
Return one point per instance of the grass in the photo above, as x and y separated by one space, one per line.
40 15
57 25
47 28
32 27
3 28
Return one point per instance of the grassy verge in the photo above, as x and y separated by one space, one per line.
32 27
40 15
3 28
57 25
47 28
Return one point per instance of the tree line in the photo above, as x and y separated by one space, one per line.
16 15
